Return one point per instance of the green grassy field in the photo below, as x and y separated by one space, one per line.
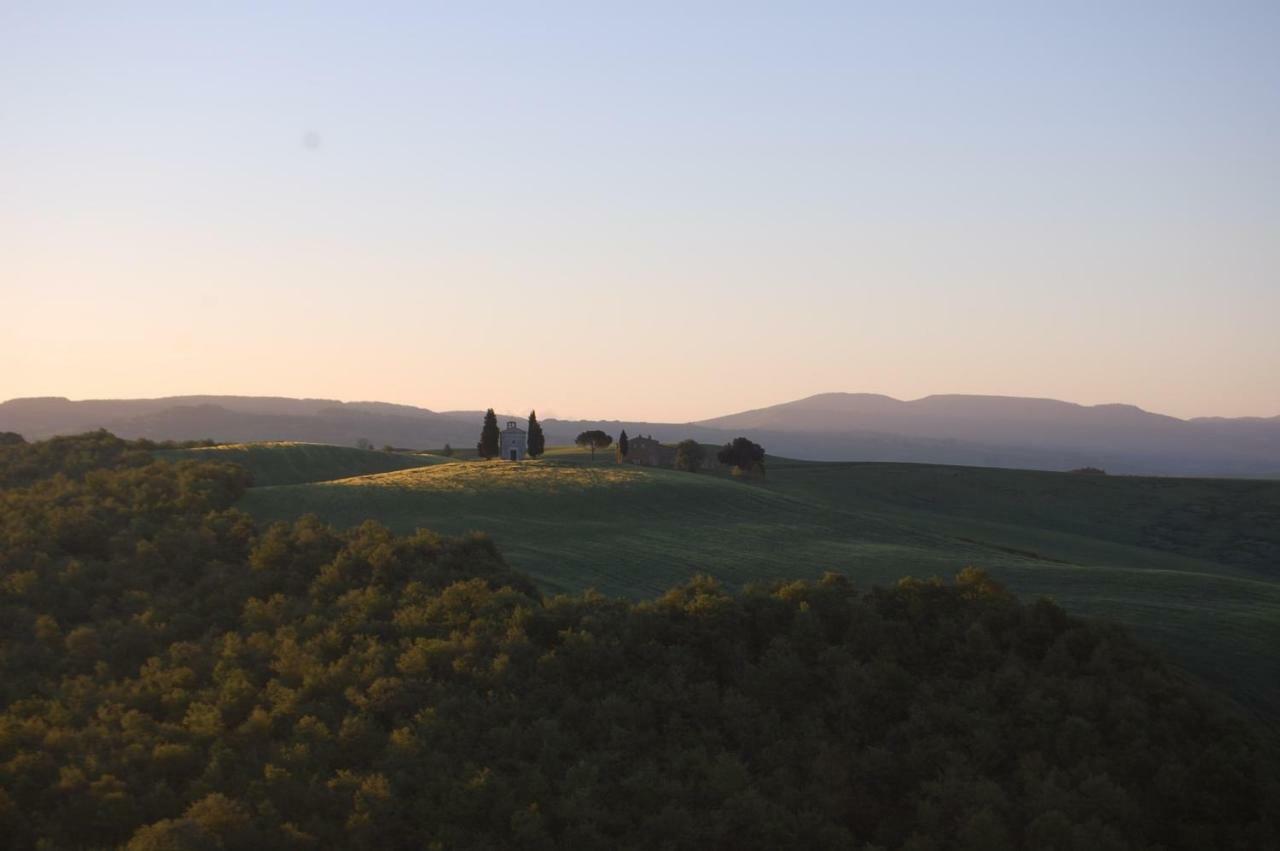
1190 564
287 463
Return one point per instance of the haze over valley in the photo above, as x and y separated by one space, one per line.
991 431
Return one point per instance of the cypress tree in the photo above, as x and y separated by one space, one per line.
623 445
537 443
488 445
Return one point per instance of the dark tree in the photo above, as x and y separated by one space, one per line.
447 451
689 456
537 442
743 454
593 440
488 445
623 445
11 438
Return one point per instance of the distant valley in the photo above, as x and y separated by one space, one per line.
988 431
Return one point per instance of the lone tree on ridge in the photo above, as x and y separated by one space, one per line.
593 440
488 445
623 445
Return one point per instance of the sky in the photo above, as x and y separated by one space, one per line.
659 211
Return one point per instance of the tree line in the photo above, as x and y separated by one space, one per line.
741 454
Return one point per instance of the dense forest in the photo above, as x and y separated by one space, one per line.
174 677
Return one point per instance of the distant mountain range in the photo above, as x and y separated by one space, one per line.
991 431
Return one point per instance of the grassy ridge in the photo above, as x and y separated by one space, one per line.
1232 521
1187 563
287 463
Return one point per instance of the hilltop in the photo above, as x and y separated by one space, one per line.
984 431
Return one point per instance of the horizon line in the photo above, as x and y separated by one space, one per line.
458 410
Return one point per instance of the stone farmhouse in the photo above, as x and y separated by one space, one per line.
649 452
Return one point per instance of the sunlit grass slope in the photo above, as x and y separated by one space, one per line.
287 463
1188 563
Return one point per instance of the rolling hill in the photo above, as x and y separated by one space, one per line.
176 676
1123 438
987 431
288 463
238 419
1191 564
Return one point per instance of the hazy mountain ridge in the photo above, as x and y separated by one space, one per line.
994 431
1018 421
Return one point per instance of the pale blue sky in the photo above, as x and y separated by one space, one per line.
652 211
